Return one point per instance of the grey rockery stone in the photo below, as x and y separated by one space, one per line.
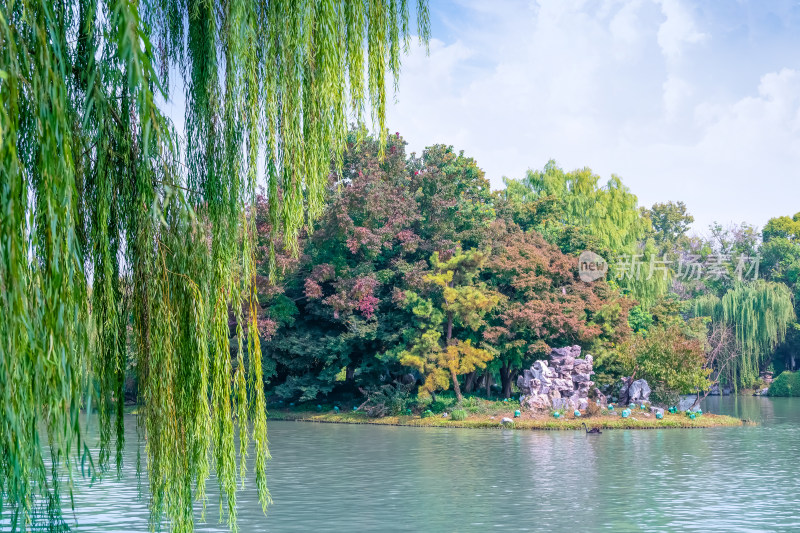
564 383
637 392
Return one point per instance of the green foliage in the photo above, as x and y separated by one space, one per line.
786 384
666 349
455 197
387 217
575 212
610 363
386 288
384 285
453 298
670 222
438 406
782 227
760 313
669 310
780 262
458 415
731 251
661 395
120 240
671 358
608 212
639 319
390 399
545 304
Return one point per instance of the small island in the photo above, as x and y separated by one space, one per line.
495 412
556 394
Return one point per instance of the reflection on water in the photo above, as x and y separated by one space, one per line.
327 477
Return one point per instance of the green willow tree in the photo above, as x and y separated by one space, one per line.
121 241
759 314
608 212
576 212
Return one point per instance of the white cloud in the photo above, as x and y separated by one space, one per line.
599 85
625 27
677 30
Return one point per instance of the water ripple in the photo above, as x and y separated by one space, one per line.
327 477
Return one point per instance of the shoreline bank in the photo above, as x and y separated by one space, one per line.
643 421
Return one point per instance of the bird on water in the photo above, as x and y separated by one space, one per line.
593 431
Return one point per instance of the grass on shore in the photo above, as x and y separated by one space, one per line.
527 420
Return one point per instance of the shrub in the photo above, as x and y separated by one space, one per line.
438 407
660 395
592 409
426 414
386 400
786 384
458 414
472 405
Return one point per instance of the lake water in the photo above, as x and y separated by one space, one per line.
329 477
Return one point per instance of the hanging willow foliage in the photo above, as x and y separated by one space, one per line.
121 242
759 313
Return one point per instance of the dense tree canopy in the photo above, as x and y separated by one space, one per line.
452 297
609 213
127 244
417 269
545 305
373 301
345 299
110 220
576 212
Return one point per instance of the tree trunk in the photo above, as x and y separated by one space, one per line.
701 395
469 382
624 398
449 332
455 385
488 384
350 373
448 337
505 379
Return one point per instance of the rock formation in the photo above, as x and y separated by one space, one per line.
637 392
564 383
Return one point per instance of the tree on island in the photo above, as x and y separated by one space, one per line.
453 295
545 304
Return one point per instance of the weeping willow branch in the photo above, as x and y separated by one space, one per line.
121 245
759 314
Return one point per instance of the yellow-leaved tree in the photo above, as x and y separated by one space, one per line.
453 300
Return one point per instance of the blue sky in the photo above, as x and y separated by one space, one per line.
692 101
